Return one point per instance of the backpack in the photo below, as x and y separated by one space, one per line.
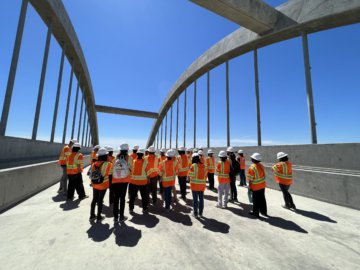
96 176
121 168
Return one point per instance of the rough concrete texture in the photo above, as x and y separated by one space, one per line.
44 232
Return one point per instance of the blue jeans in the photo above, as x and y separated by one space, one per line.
198 198
242 177
167 193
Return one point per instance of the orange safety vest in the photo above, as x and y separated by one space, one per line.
241 160
111 159
138 176
65 152
93 157
198 175
210 163
283 173
256 176
152 169
223 170
73 162
133 156
126 179
161 158
106 170
168 171
183 165
189 157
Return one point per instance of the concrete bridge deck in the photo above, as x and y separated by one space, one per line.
45 232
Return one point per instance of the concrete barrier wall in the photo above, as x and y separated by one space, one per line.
20 183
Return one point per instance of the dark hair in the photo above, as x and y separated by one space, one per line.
139 155
283 159
134 151
255 161
181 152
223 158
75 149
123 153
111 153
103 158
168 158
196 159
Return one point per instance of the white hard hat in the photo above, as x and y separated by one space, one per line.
240 151
201 148
256 156
281 155
188 150
222 154
73 141
141 151
162 150
230 149
195 150
151 149
77 145
201 152
96 147
102 152
170 153
110 149
136 147
210 151
181 148
195 155
124 147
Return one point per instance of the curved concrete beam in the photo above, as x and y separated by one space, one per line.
311 16
64 32
122 111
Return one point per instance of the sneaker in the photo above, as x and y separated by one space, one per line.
100 218
195 214
124 218
286 207
219 206
60 191
253 214
225 206
293 207
201 215
231 200
92 218
85 197
236 200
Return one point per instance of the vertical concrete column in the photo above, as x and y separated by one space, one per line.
257 96
79 127
68 102
185 118
227 105
157 140
309 90
13 67
58 94
41 85
166 128
194 114
171 117
75 107
161 137
86 133
83 128
208 109
177 121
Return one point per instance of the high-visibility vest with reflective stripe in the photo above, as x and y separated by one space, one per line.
256 176
152 169
106 170
223 170
242 162
198 175
73 162
65 152
138 176
202 160
189 157
210 163
184 165
168 171
161 158
126 179
93 157
133 156
111 159
283 173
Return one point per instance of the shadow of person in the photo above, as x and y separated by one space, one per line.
126 236
210 198
314 215
244 212
70 205
174 216
107 211
214 225
59 198
284 224
182 208
147 219
99 232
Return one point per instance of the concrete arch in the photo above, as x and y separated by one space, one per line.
310 16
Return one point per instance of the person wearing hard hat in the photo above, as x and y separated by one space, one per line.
234 170
223 170
101 173
134 153
161 158
201 156
168 170
74 168
189 155
152 172
183 165
65 152
241 160
197 175
139 181
257 184
93 155
121 178
210 164
283 176
111 159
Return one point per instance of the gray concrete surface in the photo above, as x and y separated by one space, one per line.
44 232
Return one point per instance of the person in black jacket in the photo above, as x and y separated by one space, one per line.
234 170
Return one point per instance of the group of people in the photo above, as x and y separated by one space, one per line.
143 170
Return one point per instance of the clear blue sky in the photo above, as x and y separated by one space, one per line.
136 50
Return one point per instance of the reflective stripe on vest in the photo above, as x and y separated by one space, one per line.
195 179
222 173
155 168
75 165
257 179
169 178
143 175
181 168
211 164
285 174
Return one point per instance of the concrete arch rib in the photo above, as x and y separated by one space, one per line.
64 32
310 16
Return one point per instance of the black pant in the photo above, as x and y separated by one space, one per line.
211 180
182 184
152 188
287 196
259 202
98 198
133 189
233 191
119 191
161 188
75 183
242 177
